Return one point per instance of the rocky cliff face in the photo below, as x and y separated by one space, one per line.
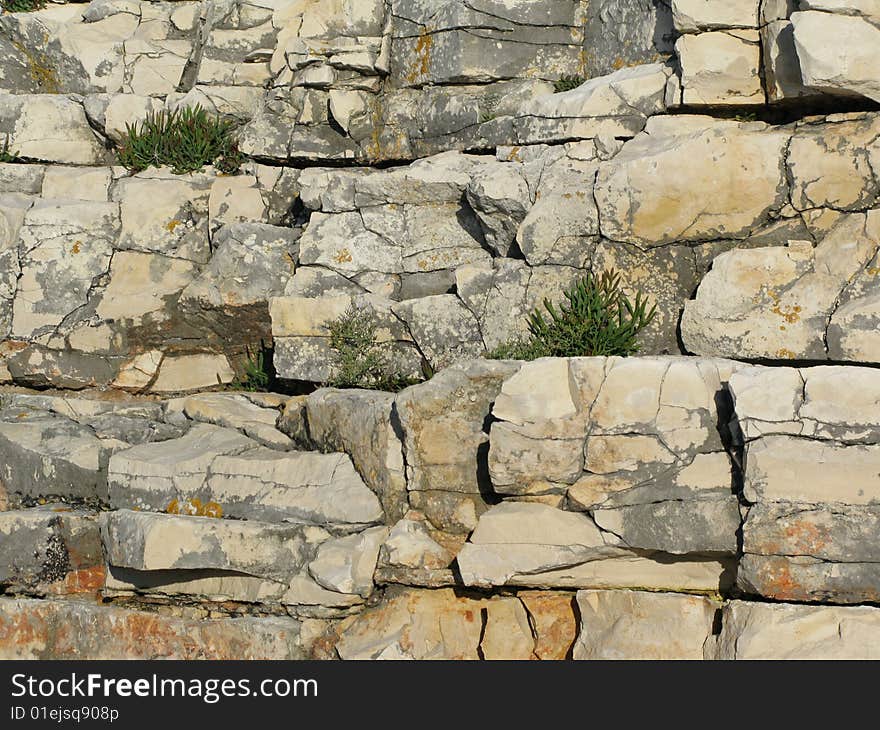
446 167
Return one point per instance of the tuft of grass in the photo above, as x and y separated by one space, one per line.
596 318
359 360
184 139
567 83
746 117
6 153
258 375
22 6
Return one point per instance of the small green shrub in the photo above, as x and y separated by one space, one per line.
22 6
746 117
184 139
567 83
597 318
258 375
359 360
6 153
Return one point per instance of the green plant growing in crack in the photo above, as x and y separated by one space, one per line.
359 360
184 139
6 153
22 6
257 372
596 318
567 83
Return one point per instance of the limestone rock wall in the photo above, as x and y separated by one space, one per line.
499 192
422 161
590 508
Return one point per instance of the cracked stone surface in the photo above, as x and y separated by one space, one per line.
68 629
447 168
639 445
799 302
810 478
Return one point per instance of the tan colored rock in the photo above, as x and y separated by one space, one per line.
831 164
779 303
124 110
732 181
641 625
847 66
347 564
782 70
695 16
443 421
138 372
507 634
140 285
77 183
786 631
721 68
361 424
183 373
50 127
634 441
416 625
555 622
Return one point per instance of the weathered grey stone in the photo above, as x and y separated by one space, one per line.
237 412
49 455
52 549
445 330
152 542
251 263
626 32
155 474
499 195
114 427
362 424
65 246
175 223
67 629
503 293
457 42
786 631
640 625
222 466
534 545
300 327
562 226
